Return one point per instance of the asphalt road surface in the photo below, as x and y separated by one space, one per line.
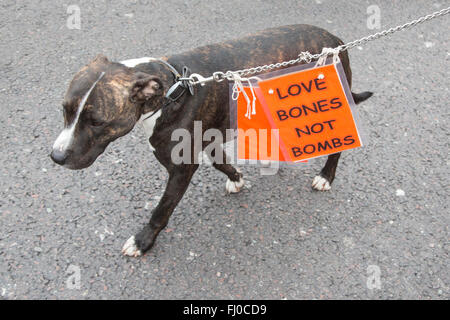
381 232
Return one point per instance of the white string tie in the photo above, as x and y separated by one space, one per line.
238 88
324 55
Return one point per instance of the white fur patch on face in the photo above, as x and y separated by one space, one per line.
234 186
131 63
321 184
149 125
65 138
130 249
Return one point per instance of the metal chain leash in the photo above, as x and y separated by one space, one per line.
308 57
394 29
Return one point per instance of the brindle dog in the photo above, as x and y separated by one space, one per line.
106 99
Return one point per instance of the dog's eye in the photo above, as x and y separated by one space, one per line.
93 119
97 123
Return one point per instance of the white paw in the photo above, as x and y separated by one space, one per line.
234 186
321 184
130 249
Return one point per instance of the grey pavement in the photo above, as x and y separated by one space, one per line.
386 217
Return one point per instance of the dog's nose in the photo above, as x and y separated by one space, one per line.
59 156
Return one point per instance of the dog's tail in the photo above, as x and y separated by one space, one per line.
360 97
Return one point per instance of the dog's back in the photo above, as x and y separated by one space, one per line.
265 47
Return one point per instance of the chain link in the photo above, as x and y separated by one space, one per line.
394 29
308 57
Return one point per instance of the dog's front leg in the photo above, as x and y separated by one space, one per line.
179 178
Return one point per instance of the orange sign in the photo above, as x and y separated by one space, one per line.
311 111
255 139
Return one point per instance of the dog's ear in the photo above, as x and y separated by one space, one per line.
99 61
145 88
101 58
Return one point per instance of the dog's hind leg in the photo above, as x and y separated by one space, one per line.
323 181
179 179
235 180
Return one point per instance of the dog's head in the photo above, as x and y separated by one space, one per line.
104 101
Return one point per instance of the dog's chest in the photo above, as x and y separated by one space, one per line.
149 125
